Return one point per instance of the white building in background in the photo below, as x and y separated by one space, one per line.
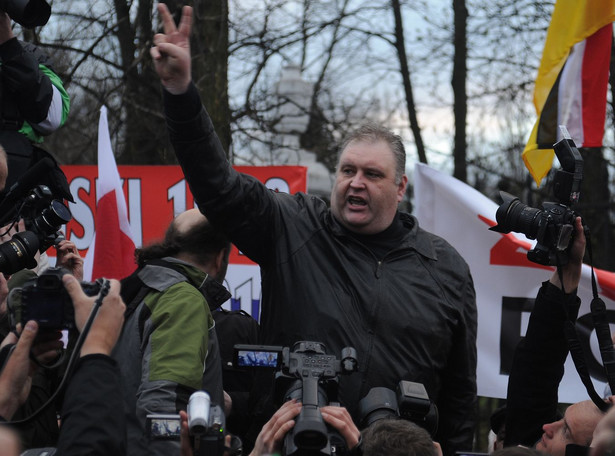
294 95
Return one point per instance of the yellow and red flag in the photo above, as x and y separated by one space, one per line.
572 80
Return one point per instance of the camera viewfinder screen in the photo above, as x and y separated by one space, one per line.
251 358
165 428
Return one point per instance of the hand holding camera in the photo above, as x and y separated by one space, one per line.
107 326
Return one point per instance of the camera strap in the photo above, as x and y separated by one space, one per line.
603 333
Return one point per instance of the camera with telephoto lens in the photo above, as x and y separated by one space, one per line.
45 300
553 226
205 422
28 13
311 376
43 216
409 402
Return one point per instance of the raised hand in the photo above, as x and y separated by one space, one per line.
171 50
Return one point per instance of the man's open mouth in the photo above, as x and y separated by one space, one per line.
356 201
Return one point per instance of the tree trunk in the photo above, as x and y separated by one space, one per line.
405 74
460 107
594 206
209 46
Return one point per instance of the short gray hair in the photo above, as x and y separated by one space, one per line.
372 132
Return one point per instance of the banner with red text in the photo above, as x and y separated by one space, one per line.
506 282
156 194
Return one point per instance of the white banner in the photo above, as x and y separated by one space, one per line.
505 281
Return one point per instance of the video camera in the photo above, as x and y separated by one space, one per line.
45 300
552 227
206 424
409 402
310 375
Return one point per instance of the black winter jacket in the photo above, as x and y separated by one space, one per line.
410 315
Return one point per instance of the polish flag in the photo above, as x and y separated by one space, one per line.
111 253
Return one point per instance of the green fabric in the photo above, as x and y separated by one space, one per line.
26 128
180 338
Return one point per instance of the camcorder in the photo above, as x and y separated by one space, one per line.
553 226
409 401
28 13
311 376
43 217
45 300
205 422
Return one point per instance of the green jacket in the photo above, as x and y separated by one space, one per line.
162 350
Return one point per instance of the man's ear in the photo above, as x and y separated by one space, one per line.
401 188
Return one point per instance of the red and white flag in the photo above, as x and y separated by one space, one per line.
111 253
506 282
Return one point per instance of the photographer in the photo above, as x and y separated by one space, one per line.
92 422
33 102
538 366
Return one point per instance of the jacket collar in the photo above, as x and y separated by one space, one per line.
414 239
178 271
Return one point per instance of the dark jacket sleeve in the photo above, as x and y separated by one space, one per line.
93 420
457 400
538 367
23 80
235 203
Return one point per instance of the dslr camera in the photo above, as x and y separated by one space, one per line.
306 373
409 402
43 216
45 300
206 424
553 226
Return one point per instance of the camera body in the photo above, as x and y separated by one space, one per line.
409 401
45 300
310 375
43 216
206 424
553 226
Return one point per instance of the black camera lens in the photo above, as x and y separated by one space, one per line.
29 13
53 217
379 403
310 431
18 253
515 216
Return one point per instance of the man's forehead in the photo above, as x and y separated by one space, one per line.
369 150
581 419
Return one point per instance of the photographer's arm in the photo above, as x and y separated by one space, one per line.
36 91
538 362
93 421
16 377
571 272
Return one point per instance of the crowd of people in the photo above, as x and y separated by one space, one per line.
356 273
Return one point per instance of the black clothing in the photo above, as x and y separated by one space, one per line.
410 314
538 367
92 418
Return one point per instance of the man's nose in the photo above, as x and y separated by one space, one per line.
550 428
358 180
